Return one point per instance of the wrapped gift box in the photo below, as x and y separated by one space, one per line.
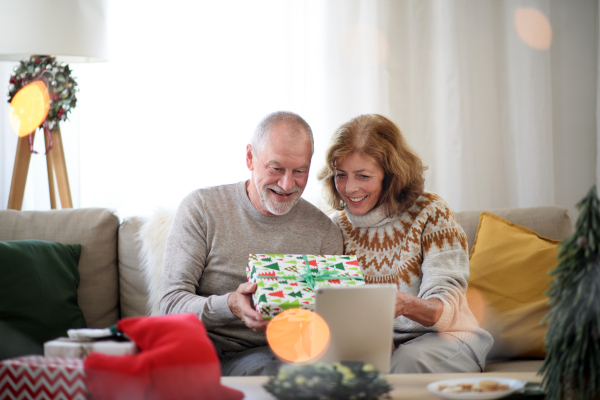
67 347
37 377
287 281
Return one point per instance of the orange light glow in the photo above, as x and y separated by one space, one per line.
477 304
298 336
29 108
533 28
364 45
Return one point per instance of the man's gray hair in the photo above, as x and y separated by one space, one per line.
261 133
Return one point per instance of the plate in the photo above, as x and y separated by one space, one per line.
513 386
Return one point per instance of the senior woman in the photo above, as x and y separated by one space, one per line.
405 236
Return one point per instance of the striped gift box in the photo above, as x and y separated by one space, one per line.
38 377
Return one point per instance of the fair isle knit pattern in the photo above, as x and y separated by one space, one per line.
424 253
391 250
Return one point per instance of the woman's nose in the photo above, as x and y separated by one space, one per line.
351 185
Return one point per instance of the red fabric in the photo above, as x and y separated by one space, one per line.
37 377
177 360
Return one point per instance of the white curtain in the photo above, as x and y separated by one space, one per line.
498 122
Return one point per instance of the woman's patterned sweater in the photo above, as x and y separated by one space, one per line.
424 253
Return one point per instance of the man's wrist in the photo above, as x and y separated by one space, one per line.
230 300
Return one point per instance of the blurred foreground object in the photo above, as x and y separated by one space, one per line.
37 377
346 380
177 360
298 336
572 366
29 108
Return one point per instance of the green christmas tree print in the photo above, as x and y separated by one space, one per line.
273 266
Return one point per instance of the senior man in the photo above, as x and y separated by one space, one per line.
216 228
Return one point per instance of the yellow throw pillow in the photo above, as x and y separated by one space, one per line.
509 273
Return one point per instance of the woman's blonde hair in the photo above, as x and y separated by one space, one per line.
379 138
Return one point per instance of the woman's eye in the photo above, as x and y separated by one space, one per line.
364 176
340 176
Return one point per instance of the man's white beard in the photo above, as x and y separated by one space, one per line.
276 207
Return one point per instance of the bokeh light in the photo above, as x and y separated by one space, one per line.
29 108
364 44
533 28
298 336
478 305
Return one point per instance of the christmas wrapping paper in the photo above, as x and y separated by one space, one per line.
66 347
37 377
287 281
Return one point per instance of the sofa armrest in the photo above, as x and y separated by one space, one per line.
96 230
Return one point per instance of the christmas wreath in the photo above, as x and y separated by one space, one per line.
339 381
59 82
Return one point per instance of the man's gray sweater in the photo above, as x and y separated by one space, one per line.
214 231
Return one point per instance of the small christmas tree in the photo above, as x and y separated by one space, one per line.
572 365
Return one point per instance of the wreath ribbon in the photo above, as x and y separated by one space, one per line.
48 133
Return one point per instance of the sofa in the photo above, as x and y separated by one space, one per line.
113 283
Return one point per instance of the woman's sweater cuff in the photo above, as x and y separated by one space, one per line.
446 318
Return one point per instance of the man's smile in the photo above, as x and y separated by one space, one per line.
281 194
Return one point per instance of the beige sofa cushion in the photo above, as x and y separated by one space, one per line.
549 221
142 243
96 230
134 292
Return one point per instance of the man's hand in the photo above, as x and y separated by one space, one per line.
240 303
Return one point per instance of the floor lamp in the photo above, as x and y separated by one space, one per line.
72 31
57 168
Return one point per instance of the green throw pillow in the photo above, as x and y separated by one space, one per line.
38 288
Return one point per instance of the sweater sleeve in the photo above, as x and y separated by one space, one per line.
445 267
184 262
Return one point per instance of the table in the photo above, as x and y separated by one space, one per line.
404 386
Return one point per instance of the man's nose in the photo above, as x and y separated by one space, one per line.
287 181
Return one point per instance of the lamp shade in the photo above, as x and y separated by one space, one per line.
70 30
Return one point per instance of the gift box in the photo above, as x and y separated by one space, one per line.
287 281
80 348
37 377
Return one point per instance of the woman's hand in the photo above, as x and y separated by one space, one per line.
425 312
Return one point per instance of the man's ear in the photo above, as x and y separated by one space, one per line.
249 159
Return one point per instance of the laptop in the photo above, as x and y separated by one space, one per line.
361 323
